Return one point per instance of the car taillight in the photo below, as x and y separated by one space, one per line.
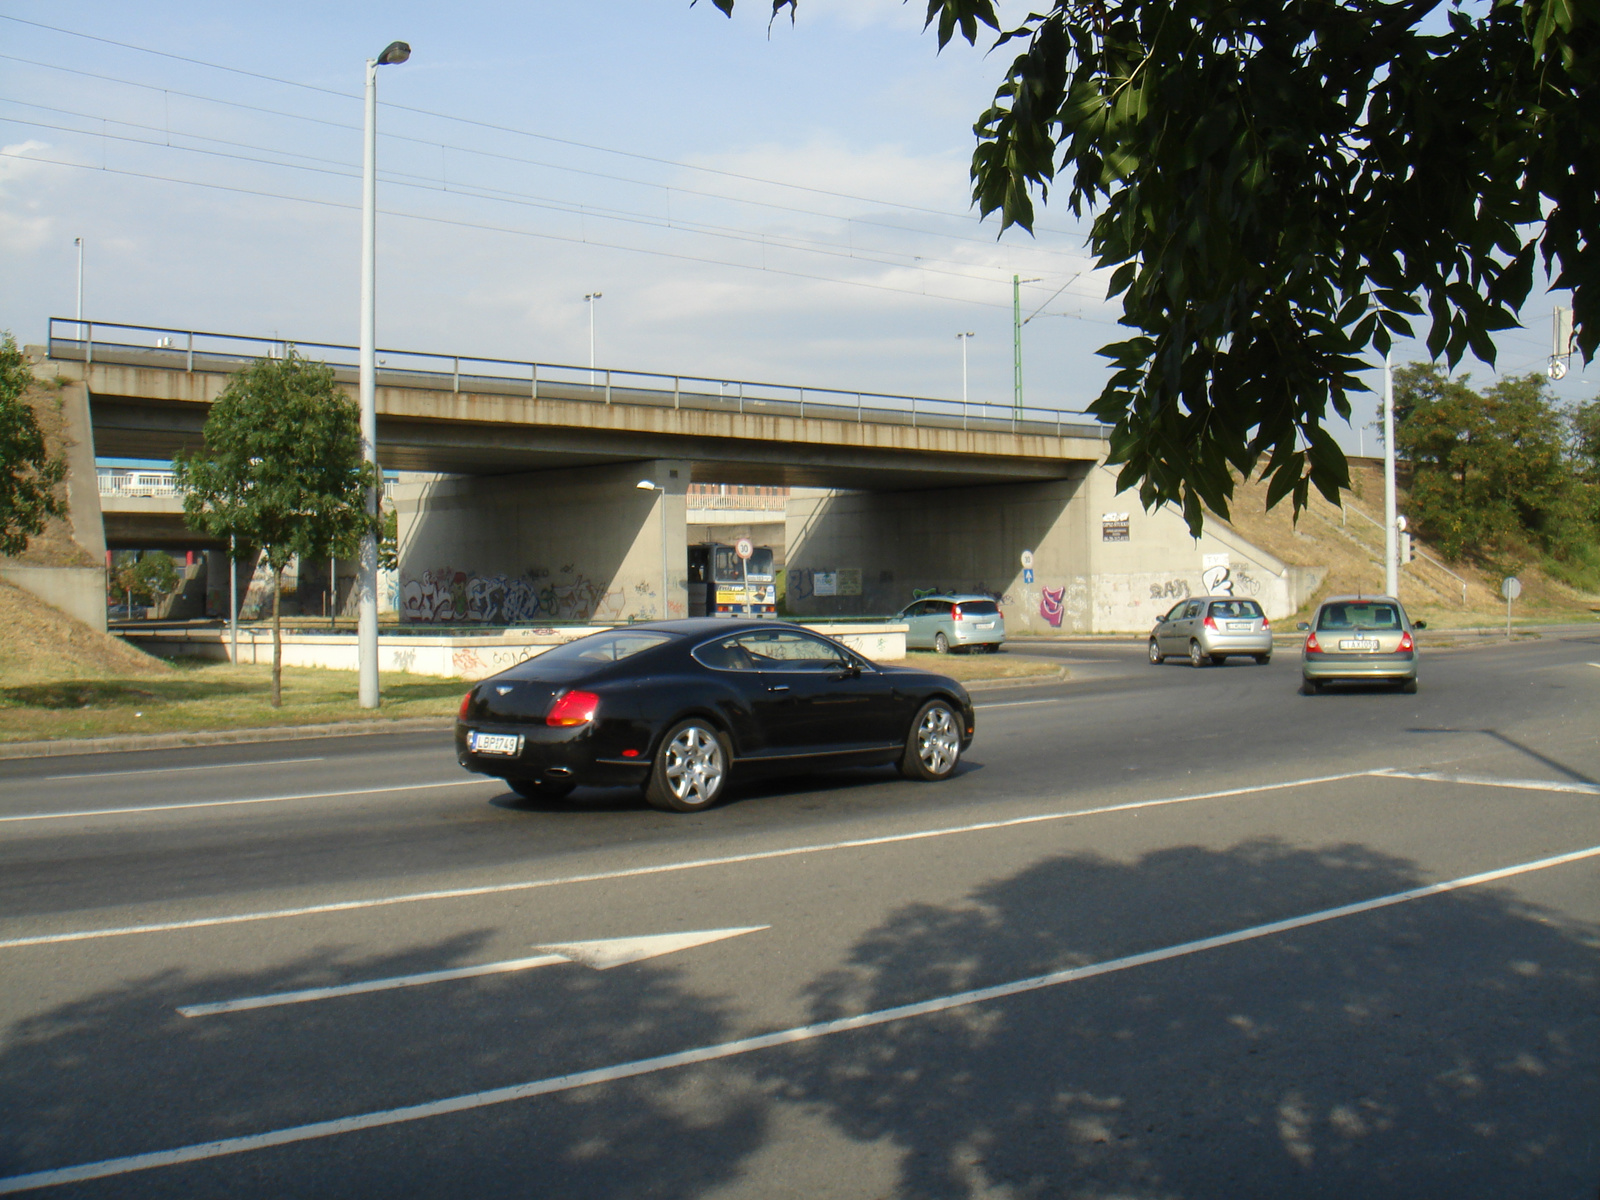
1405 641
955 613
1266 624
575 708
461 713
1312 646
1209 623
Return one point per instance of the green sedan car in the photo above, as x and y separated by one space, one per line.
1359 639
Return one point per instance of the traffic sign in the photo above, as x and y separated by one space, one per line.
1027 560
1027 575
743 548
1511 587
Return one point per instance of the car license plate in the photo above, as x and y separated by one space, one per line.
1239 626
1358 643
985 625
495 743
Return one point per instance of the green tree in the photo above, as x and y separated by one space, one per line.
281 470
146 576
1279 186
29 475
1490 471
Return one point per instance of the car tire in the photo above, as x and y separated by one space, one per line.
941 644
1263 659
690 772
1197 656
541 791
1310 687
1409 687
1156 657
933 745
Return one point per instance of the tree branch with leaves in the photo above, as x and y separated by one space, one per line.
30 476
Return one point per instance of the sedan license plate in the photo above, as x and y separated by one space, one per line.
1358 643
1239 626
495 743
985 625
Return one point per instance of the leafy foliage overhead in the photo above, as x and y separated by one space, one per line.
29 475
1281 187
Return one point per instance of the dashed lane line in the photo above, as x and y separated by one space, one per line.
492 889
264 762
108 1168
187 804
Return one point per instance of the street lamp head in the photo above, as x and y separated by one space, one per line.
647 485
593 295
394 54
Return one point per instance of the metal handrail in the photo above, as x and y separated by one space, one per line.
1417 550
542 380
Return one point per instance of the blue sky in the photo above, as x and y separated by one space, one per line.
791 208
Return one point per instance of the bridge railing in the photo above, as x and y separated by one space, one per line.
193 350
138 482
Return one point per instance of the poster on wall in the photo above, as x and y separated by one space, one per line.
825 583
849 581
1113 527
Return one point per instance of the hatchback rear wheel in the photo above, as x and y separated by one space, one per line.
691 768
1197 656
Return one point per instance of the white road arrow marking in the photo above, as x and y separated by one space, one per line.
614 952
601 955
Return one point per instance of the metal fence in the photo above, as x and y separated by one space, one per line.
137 483
192 350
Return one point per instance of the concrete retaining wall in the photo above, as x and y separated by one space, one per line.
450 657
79 592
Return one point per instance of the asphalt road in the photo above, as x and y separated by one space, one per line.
1169 933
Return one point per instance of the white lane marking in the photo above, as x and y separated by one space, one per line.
491 889
265 762
146 808
275 999
1526 785
785 1037
1020 703
600 955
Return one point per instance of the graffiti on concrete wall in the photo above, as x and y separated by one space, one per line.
1051 605
1172 589
447 595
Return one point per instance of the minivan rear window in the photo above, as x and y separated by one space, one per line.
979 608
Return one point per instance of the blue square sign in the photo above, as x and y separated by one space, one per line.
1027 575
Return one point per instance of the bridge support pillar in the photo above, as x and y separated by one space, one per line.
578 544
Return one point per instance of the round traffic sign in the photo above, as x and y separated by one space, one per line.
1511 587
743 548
1027 560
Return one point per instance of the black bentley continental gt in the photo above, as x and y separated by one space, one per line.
676 706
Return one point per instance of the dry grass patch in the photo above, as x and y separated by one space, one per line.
969 667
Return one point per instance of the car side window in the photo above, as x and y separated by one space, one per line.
1193 610
782 650
724 655
1176 611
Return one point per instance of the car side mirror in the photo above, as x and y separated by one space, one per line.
1302 626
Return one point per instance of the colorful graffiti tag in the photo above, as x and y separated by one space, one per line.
1050 605
447 595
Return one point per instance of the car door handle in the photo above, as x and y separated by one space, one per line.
778 687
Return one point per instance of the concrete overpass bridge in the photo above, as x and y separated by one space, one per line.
519 503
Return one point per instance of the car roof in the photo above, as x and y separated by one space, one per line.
1368 598
951 596
702 626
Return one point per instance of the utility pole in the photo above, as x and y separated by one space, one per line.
78 242
589 300
1016 343
1391 542
962 338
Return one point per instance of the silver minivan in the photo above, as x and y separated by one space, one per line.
946 623
1211 629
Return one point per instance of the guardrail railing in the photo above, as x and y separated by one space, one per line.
1420 553
119 481
71 340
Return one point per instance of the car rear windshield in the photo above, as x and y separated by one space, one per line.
604 647
1358 615
1239 610
979 608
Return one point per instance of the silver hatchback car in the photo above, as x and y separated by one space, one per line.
1211 629
946 623
1359 639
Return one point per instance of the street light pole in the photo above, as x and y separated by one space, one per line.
367 612
649 485
78 242
1391 542
962 338
589 300
1016 338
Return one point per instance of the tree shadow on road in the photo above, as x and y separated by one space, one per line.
1443 1047
121 1072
